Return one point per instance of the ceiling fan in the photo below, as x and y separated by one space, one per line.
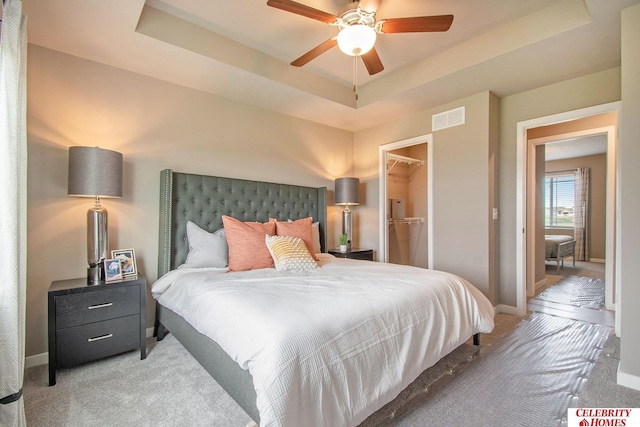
359 27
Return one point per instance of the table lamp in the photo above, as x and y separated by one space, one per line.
347 194
95 172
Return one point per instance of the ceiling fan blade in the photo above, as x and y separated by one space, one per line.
304 10
417 24
370 6
315 52
372 62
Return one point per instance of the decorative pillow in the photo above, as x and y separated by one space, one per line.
206 249
290 253
300 228
315 236
247 249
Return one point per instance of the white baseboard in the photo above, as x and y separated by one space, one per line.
628 380
43 358
542 283
508 309
36 360
597 260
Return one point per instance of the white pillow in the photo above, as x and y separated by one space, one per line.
290 253
206 249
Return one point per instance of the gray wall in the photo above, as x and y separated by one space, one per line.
464 186
629 192
462 183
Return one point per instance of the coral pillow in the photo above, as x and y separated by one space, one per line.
247 248
300 228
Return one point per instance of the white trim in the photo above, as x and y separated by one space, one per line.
382 185
36 360
521 176
521 218
628 380
43 358
430 249
507 309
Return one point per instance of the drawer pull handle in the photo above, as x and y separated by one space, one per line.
109 304
101 337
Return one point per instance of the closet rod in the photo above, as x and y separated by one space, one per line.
396 158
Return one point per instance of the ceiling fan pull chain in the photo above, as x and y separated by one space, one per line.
355 76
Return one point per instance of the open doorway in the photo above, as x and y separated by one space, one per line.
573 209
533 135
405 178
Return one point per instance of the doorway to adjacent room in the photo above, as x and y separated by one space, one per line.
532 137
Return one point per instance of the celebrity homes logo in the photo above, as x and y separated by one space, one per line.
603 417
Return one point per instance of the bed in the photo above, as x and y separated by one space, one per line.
559 247
327 346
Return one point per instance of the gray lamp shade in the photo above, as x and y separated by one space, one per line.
94 172
347 191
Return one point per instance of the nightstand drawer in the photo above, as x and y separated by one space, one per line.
87 307
95 340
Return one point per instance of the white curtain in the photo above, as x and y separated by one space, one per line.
581 214
13 210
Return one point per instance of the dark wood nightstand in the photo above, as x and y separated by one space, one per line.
354 253
89 322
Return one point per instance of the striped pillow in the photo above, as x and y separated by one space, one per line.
290 253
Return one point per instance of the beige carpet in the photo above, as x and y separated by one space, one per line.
170 388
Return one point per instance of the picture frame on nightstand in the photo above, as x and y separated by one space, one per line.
112 270
127 259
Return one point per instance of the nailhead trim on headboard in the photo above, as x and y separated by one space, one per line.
204 199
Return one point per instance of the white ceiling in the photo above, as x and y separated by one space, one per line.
576 147
241 50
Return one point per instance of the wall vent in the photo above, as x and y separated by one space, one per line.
447 119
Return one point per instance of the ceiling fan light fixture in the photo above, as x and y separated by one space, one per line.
356 39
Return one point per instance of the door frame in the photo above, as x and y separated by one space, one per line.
612 232
383 249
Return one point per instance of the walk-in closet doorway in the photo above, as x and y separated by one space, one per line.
405 202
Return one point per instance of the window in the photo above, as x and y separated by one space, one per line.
559 189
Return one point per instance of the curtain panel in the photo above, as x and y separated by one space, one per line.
581 214
13 210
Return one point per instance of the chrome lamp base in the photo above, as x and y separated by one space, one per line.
97 242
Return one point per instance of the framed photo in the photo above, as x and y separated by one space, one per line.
112 270
127 259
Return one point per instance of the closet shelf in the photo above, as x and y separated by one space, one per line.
410 221
394 159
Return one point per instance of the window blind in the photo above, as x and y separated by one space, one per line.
559 197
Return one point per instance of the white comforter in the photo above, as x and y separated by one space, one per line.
328 347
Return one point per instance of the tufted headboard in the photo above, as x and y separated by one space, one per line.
204 199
